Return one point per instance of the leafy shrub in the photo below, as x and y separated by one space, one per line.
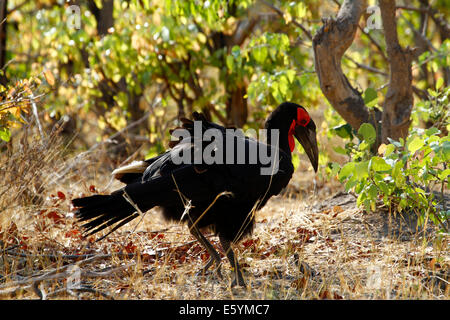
402 176
15 103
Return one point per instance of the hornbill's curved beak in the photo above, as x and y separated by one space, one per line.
307 137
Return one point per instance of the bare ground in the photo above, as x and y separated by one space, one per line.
306 245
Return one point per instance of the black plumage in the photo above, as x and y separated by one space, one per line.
220 196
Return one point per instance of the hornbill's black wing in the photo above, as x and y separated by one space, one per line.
166 182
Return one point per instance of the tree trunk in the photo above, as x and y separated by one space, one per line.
237 106
103 15
398 102
330 44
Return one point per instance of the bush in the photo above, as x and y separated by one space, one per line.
405 175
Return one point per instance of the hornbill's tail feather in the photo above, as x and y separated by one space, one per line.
104 211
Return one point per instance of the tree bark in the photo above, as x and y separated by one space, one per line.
398 102
103 15
444 32
330 44
237 106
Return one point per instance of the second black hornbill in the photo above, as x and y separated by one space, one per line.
220 195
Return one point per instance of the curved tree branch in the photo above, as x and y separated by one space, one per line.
330 44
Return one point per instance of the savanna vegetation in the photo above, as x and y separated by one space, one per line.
88 85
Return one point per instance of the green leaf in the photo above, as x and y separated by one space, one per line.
402 204
372 192
439 83
343 131
361 198
230 63
378 164
359 188
5 134
364 146
446 150
283 85
236 51
389 149
432 131
384 187
361 170
444 174
300 10
367 131
340 150
260 54
346 170
370 97
351 183
397 174
415 144
290 75
419 190
334 167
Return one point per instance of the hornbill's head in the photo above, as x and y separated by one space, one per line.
301 126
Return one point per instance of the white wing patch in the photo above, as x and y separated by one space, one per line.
134 167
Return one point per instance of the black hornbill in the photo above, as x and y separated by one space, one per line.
221 196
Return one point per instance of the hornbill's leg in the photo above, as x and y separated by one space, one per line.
226 245
214 255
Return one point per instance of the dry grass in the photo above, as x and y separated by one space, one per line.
304 246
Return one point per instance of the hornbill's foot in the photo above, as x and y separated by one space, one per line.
238 280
